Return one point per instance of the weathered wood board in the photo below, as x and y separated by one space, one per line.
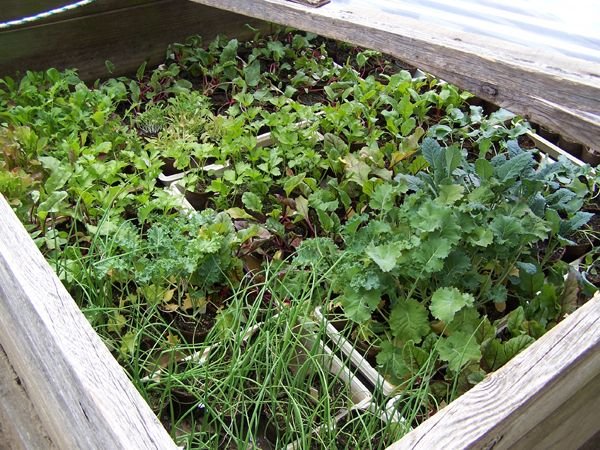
544 397
20 425
553 89
17 9
126 33
82 396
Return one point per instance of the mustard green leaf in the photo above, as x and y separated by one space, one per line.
446 302
458 350
409 321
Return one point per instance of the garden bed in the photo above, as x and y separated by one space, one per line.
309 174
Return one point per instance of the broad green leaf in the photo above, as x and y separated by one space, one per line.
252 73
514 167
302 207
484 169
569 295
52 204
515 320
431 150
391 361
359 304
383 197
409 321
432 254
451 193
446 302
229 52
385 256
506 229
292 183
575 222
238 213
497 353
466 320
458 350
326 221
356 169
252 201
481 237
485 331
407 126
527 267
414 357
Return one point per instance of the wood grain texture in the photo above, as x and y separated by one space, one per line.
126 36
81 394
17 9
560 92
525 394
20 425
573 424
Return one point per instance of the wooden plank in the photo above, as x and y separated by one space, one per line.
553 150
20 425
127 37
558 91
17 9
83 397
573 424
523 396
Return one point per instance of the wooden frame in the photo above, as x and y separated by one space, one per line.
546 397
82 396
506 74
71 393
124 32
84 399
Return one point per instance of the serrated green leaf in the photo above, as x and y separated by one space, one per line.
430 216
385 256
458 350
391 361
383 197
409 321
451 193
466 320
252 201
481 237
432 253
506 229
431 150
446 302
359 304
514 167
